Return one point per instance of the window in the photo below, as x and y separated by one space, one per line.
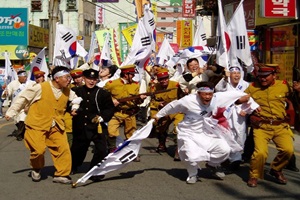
163 8
163 18
88 27
71 4
163 28
44 23
176 9
36 6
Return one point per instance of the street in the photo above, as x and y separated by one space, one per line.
157 176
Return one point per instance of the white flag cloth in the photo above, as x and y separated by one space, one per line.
80 51
200 35
240 47
223 39
105 57
10 74
65 46
141 46
150 26
93 47
165 52
39 64
122 156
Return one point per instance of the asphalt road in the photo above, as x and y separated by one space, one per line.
157 176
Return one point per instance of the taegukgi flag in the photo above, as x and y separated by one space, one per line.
223 40
9 74
122 156
200 35
240 47
39 64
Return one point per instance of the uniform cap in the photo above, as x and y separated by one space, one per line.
128 69
90 73
38 74
162 73
266 69
76 73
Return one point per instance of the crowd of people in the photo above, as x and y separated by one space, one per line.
213 110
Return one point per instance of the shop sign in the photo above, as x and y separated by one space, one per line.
13 26
278 8
16 52
38 37
188 8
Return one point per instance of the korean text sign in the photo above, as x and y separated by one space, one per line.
13 26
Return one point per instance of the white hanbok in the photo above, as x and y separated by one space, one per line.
236 121
196 140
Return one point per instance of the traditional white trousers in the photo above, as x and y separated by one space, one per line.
194 148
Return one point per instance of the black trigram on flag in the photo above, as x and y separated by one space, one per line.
39 60
145 41
66 37
203 36
240 42
218 42
211 48
127 157
151 22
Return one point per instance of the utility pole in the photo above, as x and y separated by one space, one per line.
53 18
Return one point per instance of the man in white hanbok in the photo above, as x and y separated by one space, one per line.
12 91
200 136
237 113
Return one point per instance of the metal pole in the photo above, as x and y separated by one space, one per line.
53 18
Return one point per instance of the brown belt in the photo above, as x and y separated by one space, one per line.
272 122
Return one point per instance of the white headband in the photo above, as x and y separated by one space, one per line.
22 74
234 69
60 73
205 89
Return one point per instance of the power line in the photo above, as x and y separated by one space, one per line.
105 9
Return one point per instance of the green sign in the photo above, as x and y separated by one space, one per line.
175 2
124 47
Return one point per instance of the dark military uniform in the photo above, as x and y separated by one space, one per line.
271 125
85 130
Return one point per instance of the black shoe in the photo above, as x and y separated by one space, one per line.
13 134
74 171
19 138
235 165
292 168
97 178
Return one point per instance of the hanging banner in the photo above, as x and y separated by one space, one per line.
129 33
101 35
178 31
188 8
278 8
186 33
13 26
99 14
124 46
